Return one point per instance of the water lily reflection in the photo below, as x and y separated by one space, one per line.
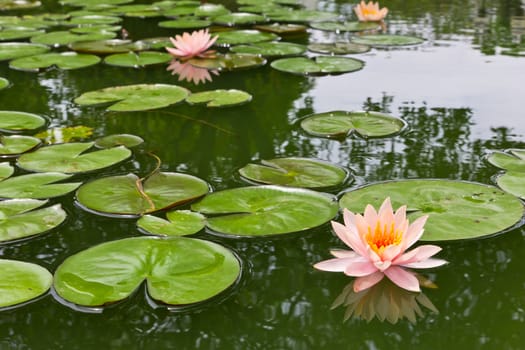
190 73
385 301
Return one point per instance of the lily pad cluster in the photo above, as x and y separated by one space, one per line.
513 163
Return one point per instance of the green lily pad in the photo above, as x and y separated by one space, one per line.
18 5
282 28
9 51
91 3
177 271
94 20
343 123
220 98
265 210
320 65
17 33
179 223
37 186
185 23
384 40
239 18
101 47
187 10
136 10
12 121
247 36
62 38
345 26
6 170
271 49
69 158
338 48
65 134
139 97
99 28
12 146
136 60
3 83
130 195
513 181
126 140
157 42
22 282
456 209
296 172
62 60
301 16
228 62
211 10
20 218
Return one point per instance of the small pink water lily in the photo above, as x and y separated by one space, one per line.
187 72
370 12
192 45
379 241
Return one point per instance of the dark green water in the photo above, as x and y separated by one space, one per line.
461 99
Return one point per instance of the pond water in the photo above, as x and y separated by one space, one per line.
461 97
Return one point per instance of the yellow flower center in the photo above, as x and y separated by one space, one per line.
383 236
366 12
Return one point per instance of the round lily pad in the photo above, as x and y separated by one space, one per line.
282 28
344 123
94 20
126 140
22 282
185 23
228 61
239 18
296 172
179 223
12 121
20 218
62 60
138 59
179 10
108 46
265 210
301 16
456 209
12 146
247 36
18 5
99 28
69 158
320 65
345 26
338 48
270 49
211 10
387 40
88 3
513 181
220 98
62 38
17 33
6 170
37 186
177 271
9 51
3 83
139 97
132 196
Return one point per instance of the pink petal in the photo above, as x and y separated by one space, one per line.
370 216
414 232
365 282
391 252
386 213
360 268
344 253
349 237
417 254
403 278
382 265
426 264
333 265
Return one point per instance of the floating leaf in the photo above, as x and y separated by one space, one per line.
456 209
134 97
346 26
22 282
228 62
63 60
3 83
37 186
239 18
12 146
271 49
179 223
130 195
320 65
185 23
94 2
338 48
187 10
96 29
220 98
344 123
247 36
386 40
140 59
177 271
94 20
18 5
126 140
513 181
301 16
265 210
211 10
62 38
6 170
65 134
20 218
17 33
296 172
9 51
12 121
282 28
69 158
108 46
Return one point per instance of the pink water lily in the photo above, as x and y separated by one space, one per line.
192 45
379 242
370 12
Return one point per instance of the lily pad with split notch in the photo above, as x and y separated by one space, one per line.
265 210
15 145
346 26
386 40
94 3
320 65
246 36
6 170
137 59
3 83
338 48
220 98
13 121
211 10
177 271
22 282
7 5
343 123
126 140
109 46
239 18
270 49
185 23
456 209
130 98
17 33
178 223
63 38
295 172
37 186
93 20
62 60
289 15
513 180
72 158
132 196
22 218
9 51
282 28
229 61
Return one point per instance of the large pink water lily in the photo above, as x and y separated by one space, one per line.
191 45
379 242
370 12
